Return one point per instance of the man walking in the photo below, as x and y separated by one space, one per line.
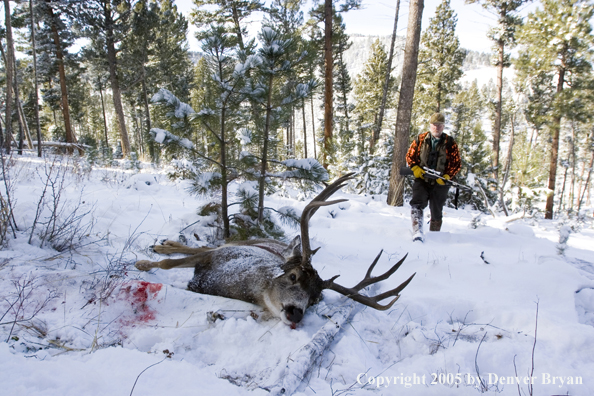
432 150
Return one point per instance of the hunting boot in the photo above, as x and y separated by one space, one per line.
416 216
435 225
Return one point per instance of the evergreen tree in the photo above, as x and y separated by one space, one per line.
440 63
229 13
335 150
275 89
106 23
52 14
405 102
154 54
468 107
368 95
556 41
343 87
503 36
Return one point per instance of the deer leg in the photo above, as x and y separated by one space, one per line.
171 247
186 262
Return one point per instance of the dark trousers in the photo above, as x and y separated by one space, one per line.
435 194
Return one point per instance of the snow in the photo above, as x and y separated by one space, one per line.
457 314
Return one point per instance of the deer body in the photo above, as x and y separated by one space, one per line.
264 272
276 276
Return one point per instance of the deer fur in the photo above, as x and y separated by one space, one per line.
278 277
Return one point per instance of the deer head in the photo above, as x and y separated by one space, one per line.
300 286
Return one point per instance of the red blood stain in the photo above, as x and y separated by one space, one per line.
138 293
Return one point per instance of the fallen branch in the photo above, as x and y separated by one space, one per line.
298 366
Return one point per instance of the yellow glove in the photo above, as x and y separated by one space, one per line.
440 181
418 172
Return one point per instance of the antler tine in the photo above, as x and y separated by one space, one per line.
369 280
373 302
312 207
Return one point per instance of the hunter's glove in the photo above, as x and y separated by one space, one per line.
440 181
418 171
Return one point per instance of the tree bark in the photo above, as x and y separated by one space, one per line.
498 104
69 129
405 102
382 109
313 127
151 142
328 81
556 128
583 192
265 152
304 128
115 85
103 109
36 85
224 181
23 126
9 76
508 164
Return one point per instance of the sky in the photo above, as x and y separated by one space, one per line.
377 18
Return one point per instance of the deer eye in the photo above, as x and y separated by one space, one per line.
293 277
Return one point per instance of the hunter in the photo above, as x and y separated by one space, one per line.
432 150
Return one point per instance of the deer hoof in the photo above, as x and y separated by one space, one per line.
144 265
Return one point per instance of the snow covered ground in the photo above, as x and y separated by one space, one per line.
469 312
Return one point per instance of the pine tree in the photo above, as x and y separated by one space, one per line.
440 63
343 87
106 22
556 41
275 89
468 107
230 14
503 36
368 95
9 62
405 102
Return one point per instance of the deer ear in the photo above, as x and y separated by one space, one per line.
293 250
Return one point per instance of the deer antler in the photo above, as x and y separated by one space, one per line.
373 302
311 208
352 293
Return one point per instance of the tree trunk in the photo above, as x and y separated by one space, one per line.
36 85
313 128
20 142
508 164
9 76
382 109
328 81
265 152
115 85
304 128
23 126
556 128
587 183
573 165
103 109
405 102
224 181
70 136
151 143
498 103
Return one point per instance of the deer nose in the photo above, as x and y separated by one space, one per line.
294 314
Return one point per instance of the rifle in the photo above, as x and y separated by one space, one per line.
432 174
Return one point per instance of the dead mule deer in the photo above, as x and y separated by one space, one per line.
276 276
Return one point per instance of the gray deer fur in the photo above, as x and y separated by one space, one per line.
278 277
